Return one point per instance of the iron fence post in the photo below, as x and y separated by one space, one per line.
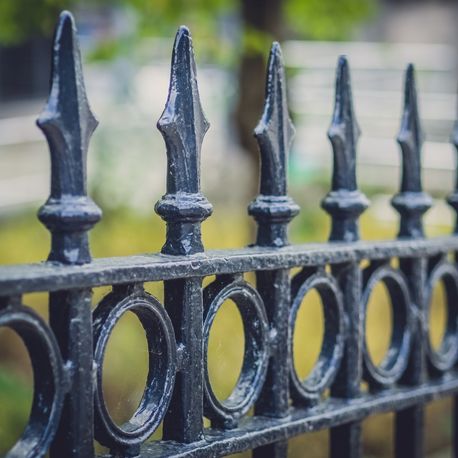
412 203
273 210
345 203
183 126
68 123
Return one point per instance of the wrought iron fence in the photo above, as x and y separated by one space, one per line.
67 355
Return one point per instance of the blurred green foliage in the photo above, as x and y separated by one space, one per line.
312 19
22 19
15 398
327 20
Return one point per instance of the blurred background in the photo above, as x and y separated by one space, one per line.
126 47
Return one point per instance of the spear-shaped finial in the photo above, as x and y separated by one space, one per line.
68 123
344 202
183 126
452 199
411 202
273 209
275 131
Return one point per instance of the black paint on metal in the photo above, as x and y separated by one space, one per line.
68 123
68 403
411 202
183 126
49 378
310 390
344 203
273 209
452 199
390 370
226 413
443 358
161 371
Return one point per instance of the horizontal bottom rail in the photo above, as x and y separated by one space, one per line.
257 431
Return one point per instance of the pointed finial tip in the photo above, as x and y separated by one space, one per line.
183 42
410 84
66 19
410 74
276 48
342 69
343 60
276 57
66 27
183 31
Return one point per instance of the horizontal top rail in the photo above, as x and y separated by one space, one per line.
51 276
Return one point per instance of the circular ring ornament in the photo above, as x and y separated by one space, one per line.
256 328
310 389
48 375
161 373
395 362
445 357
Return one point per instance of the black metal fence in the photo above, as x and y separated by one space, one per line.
68 409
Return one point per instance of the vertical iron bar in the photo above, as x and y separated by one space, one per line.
409 435
411 203
184 420
275 290
273 210
71 320
183 126
345 203
68 123
452 200
345 440
410 428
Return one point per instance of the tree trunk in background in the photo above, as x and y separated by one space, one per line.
25 69
264 16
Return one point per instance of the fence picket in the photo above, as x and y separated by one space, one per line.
68 123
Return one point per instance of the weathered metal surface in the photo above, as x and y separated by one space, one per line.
49 378
411 202
46 276
183 126
310 390
126 439
68 367
452 199
443 358
344 203
68 123
273 209
393 366
226 413
260 430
